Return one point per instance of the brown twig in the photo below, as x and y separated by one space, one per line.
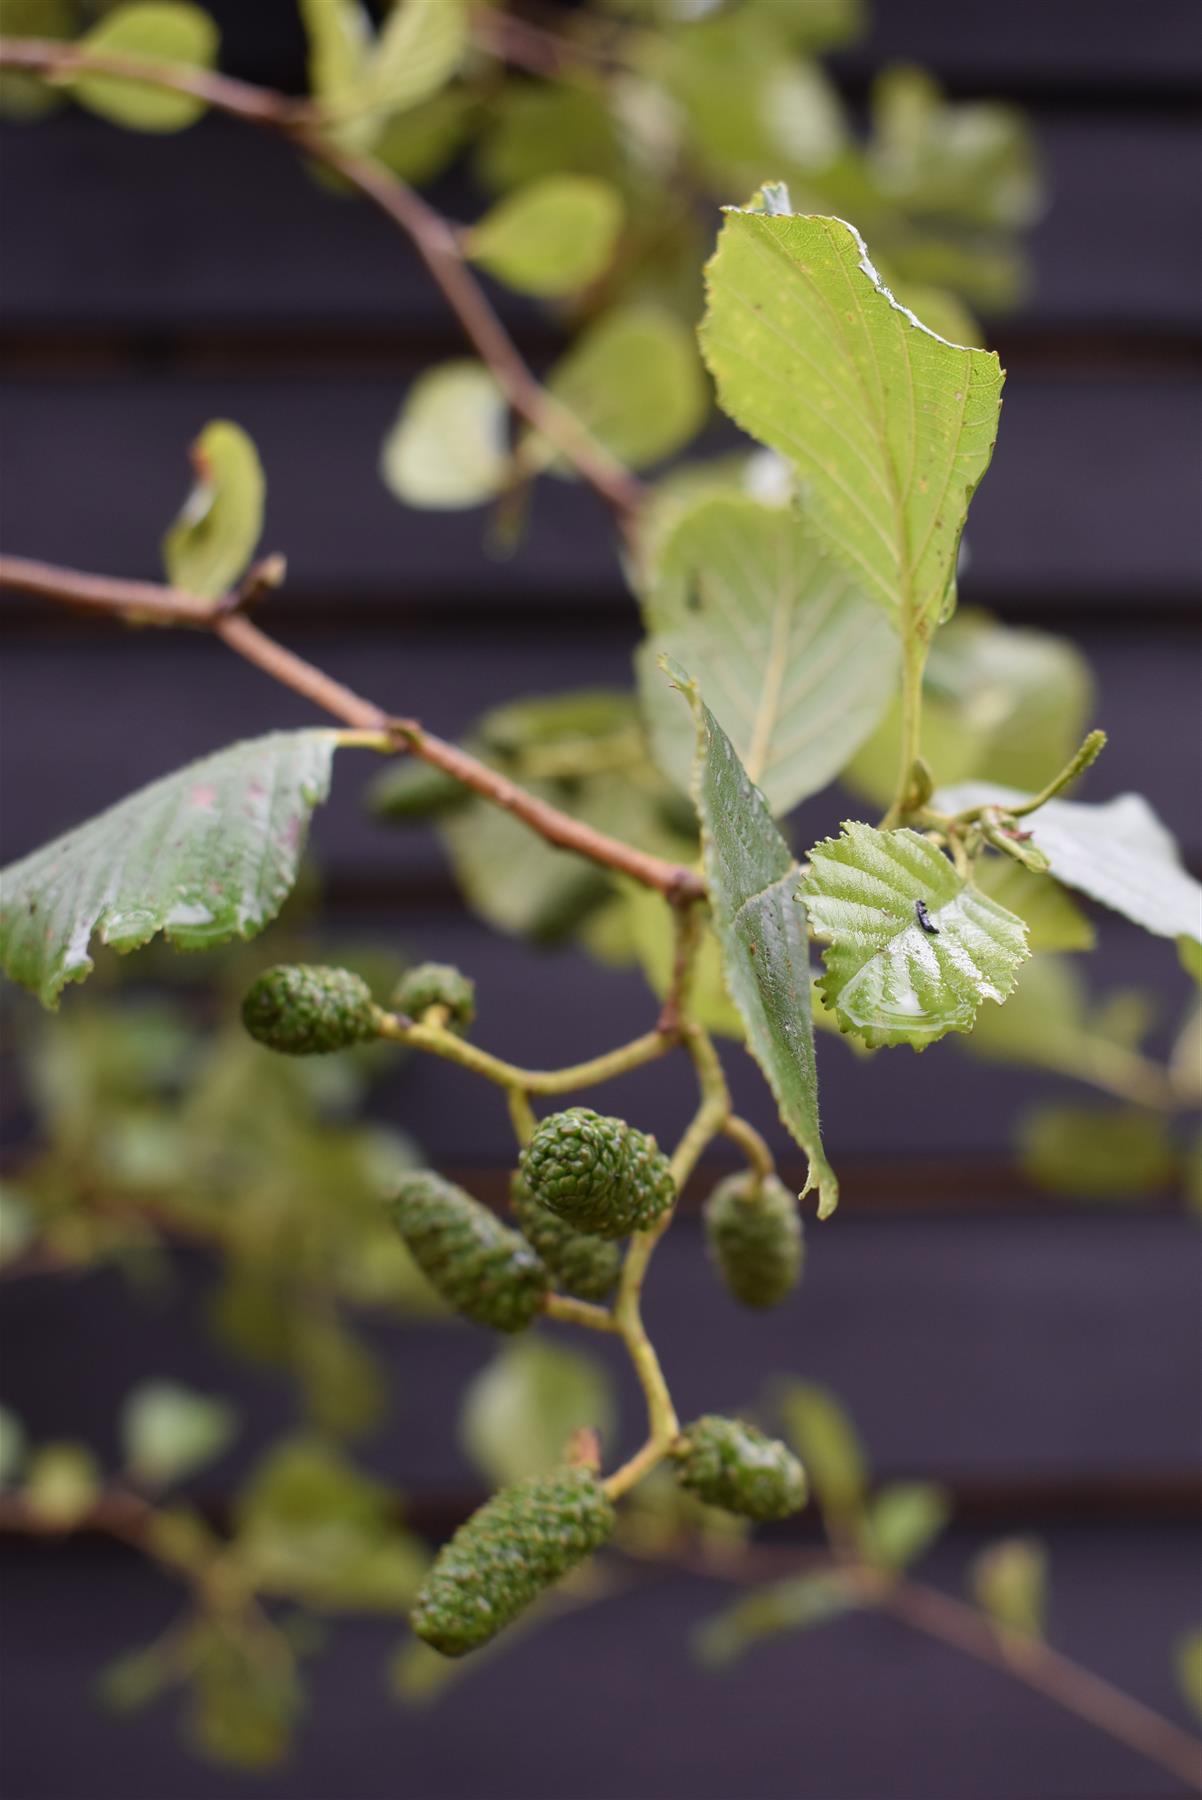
435 240
938 1615
145 600
1076 1689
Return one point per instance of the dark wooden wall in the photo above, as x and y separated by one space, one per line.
1045 1359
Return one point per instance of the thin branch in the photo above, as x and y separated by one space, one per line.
434 239
170 606
1076 1689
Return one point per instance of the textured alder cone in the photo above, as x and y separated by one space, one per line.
518 1544
483 1270
729 1464
582 1264
437 984
598 1174
304 1010
753 1230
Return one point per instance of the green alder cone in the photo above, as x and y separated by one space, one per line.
729 1464
437 984
301 1009
599 1174
582 1264
753 1230
518 1544
485 1271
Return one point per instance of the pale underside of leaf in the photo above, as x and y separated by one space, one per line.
1118 853
752 881
890 426
204 855
889 979
796 664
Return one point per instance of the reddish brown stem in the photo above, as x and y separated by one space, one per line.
435 240
145 600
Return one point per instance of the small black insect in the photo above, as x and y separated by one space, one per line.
924 918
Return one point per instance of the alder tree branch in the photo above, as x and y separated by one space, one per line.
142 601
434 239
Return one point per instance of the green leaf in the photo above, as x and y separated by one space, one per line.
205 855
890 427
312 1526
752 882
889 979
132 1681
62 1483
340 38
1118 852
12 1444
169 1431
245 1695
159 31
584 752
550 237
651 940
1009 1582
1188 1659
798 1604
823 1435
904 1521
212 541
419 47
18 1226
998 700
449 446
1189 951
633 381
519 1412
745 103
795 663
548 128
24 96
1053 919
1122 1154
973 163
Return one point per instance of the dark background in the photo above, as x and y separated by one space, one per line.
1043 1359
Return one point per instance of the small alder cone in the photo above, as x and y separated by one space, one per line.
598 1174
437 984
303 1010
582 1264
486 1272
729 1464
518 1544
753 1230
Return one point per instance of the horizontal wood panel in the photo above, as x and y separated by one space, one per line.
222 227
958 1344
146 702
607 1701
1092 494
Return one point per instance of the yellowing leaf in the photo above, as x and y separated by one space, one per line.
890 427
212 541
519 1412
418 49
551 237
448 448
633 380
1009 1582
157 32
